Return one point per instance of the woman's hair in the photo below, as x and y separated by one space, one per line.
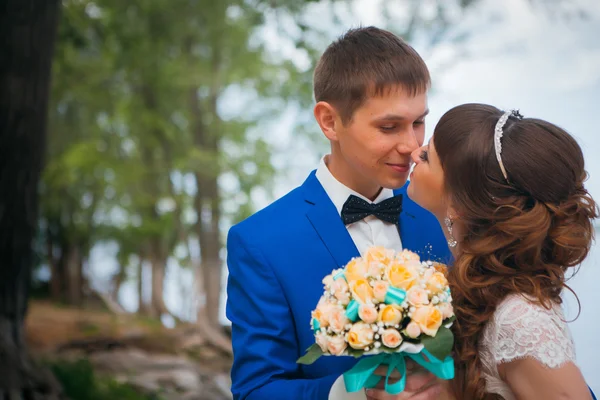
521 234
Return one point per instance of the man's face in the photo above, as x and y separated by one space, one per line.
376 145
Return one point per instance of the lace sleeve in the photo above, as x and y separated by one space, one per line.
524 329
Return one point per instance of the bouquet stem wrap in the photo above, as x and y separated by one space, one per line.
361 375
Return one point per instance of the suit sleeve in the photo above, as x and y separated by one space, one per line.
265 347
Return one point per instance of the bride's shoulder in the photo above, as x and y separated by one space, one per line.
521 327
515 306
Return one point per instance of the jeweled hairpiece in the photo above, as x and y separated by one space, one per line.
498 133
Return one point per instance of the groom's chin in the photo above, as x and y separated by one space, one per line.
395 183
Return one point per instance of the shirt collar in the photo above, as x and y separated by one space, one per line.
338 192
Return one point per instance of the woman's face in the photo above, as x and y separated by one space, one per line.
426 186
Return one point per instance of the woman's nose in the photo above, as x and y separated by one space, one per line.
415 155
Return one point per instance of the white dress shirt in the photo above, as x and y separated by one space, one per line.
370 231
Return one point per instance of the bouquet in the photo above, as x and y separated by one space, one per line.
387 306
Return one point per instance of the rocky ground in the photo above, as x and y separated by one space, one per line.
153 359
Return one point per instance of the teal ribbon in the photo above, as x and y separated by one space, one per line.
361 375
352 310
395 295
316 325
339 275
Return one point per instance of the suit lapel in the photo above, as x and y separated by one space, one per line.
326 221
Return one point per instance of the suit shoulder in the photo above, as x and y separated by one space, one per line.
276 214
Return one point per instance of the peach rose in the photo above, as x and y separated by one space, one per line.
379 254
408 255
323 341
321 313
446 309
340 291
427 274
361 291
367 313
429 319
417 296
360 336
390 315
328 281
401 276
391 338
338 319
336 345
437 283
380 289
356 269
413 330
375 270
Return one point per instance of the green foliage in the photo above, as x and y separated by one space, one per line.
79 382
313 353
139 122
440 346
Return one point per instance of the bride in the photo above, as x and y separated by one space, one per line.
510 192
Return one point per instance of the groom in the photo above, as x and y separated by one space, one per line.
371 92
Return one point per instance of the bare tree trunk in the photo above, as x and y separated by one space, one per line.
74 276
158 282
56 276
27 29
118 279
142 306
206 331
207 205
210 245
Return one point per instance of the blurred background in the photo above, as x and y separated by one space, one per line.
169 121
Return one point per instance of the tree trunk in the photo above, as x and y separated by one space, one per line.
158 283
74 276
56 270
207 205
118 279
27 29
207 331
143 308
210 244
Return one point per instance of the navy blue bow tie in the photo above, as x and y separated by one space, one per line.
355 209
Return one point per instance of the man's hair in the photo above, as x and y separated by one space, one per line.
366 62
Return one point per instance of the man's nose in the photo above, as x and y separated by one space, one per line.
409 142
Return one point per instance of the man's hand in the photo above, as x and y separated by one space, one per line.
420 385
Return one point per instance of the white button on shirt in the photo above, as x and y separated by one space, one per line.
370 231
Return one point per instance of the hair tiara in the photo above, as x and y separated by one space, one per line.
499 132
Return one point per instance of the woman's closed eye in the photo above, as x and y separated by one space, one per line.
424 156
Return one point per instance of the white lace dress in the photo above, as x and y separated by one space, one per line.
522 329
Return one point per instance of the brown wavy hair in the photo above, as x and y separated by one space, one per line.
517 236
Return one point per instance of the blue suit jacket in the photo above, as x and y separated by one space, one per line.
277 259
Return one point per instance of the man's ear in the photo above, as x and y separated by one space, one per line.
328 119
